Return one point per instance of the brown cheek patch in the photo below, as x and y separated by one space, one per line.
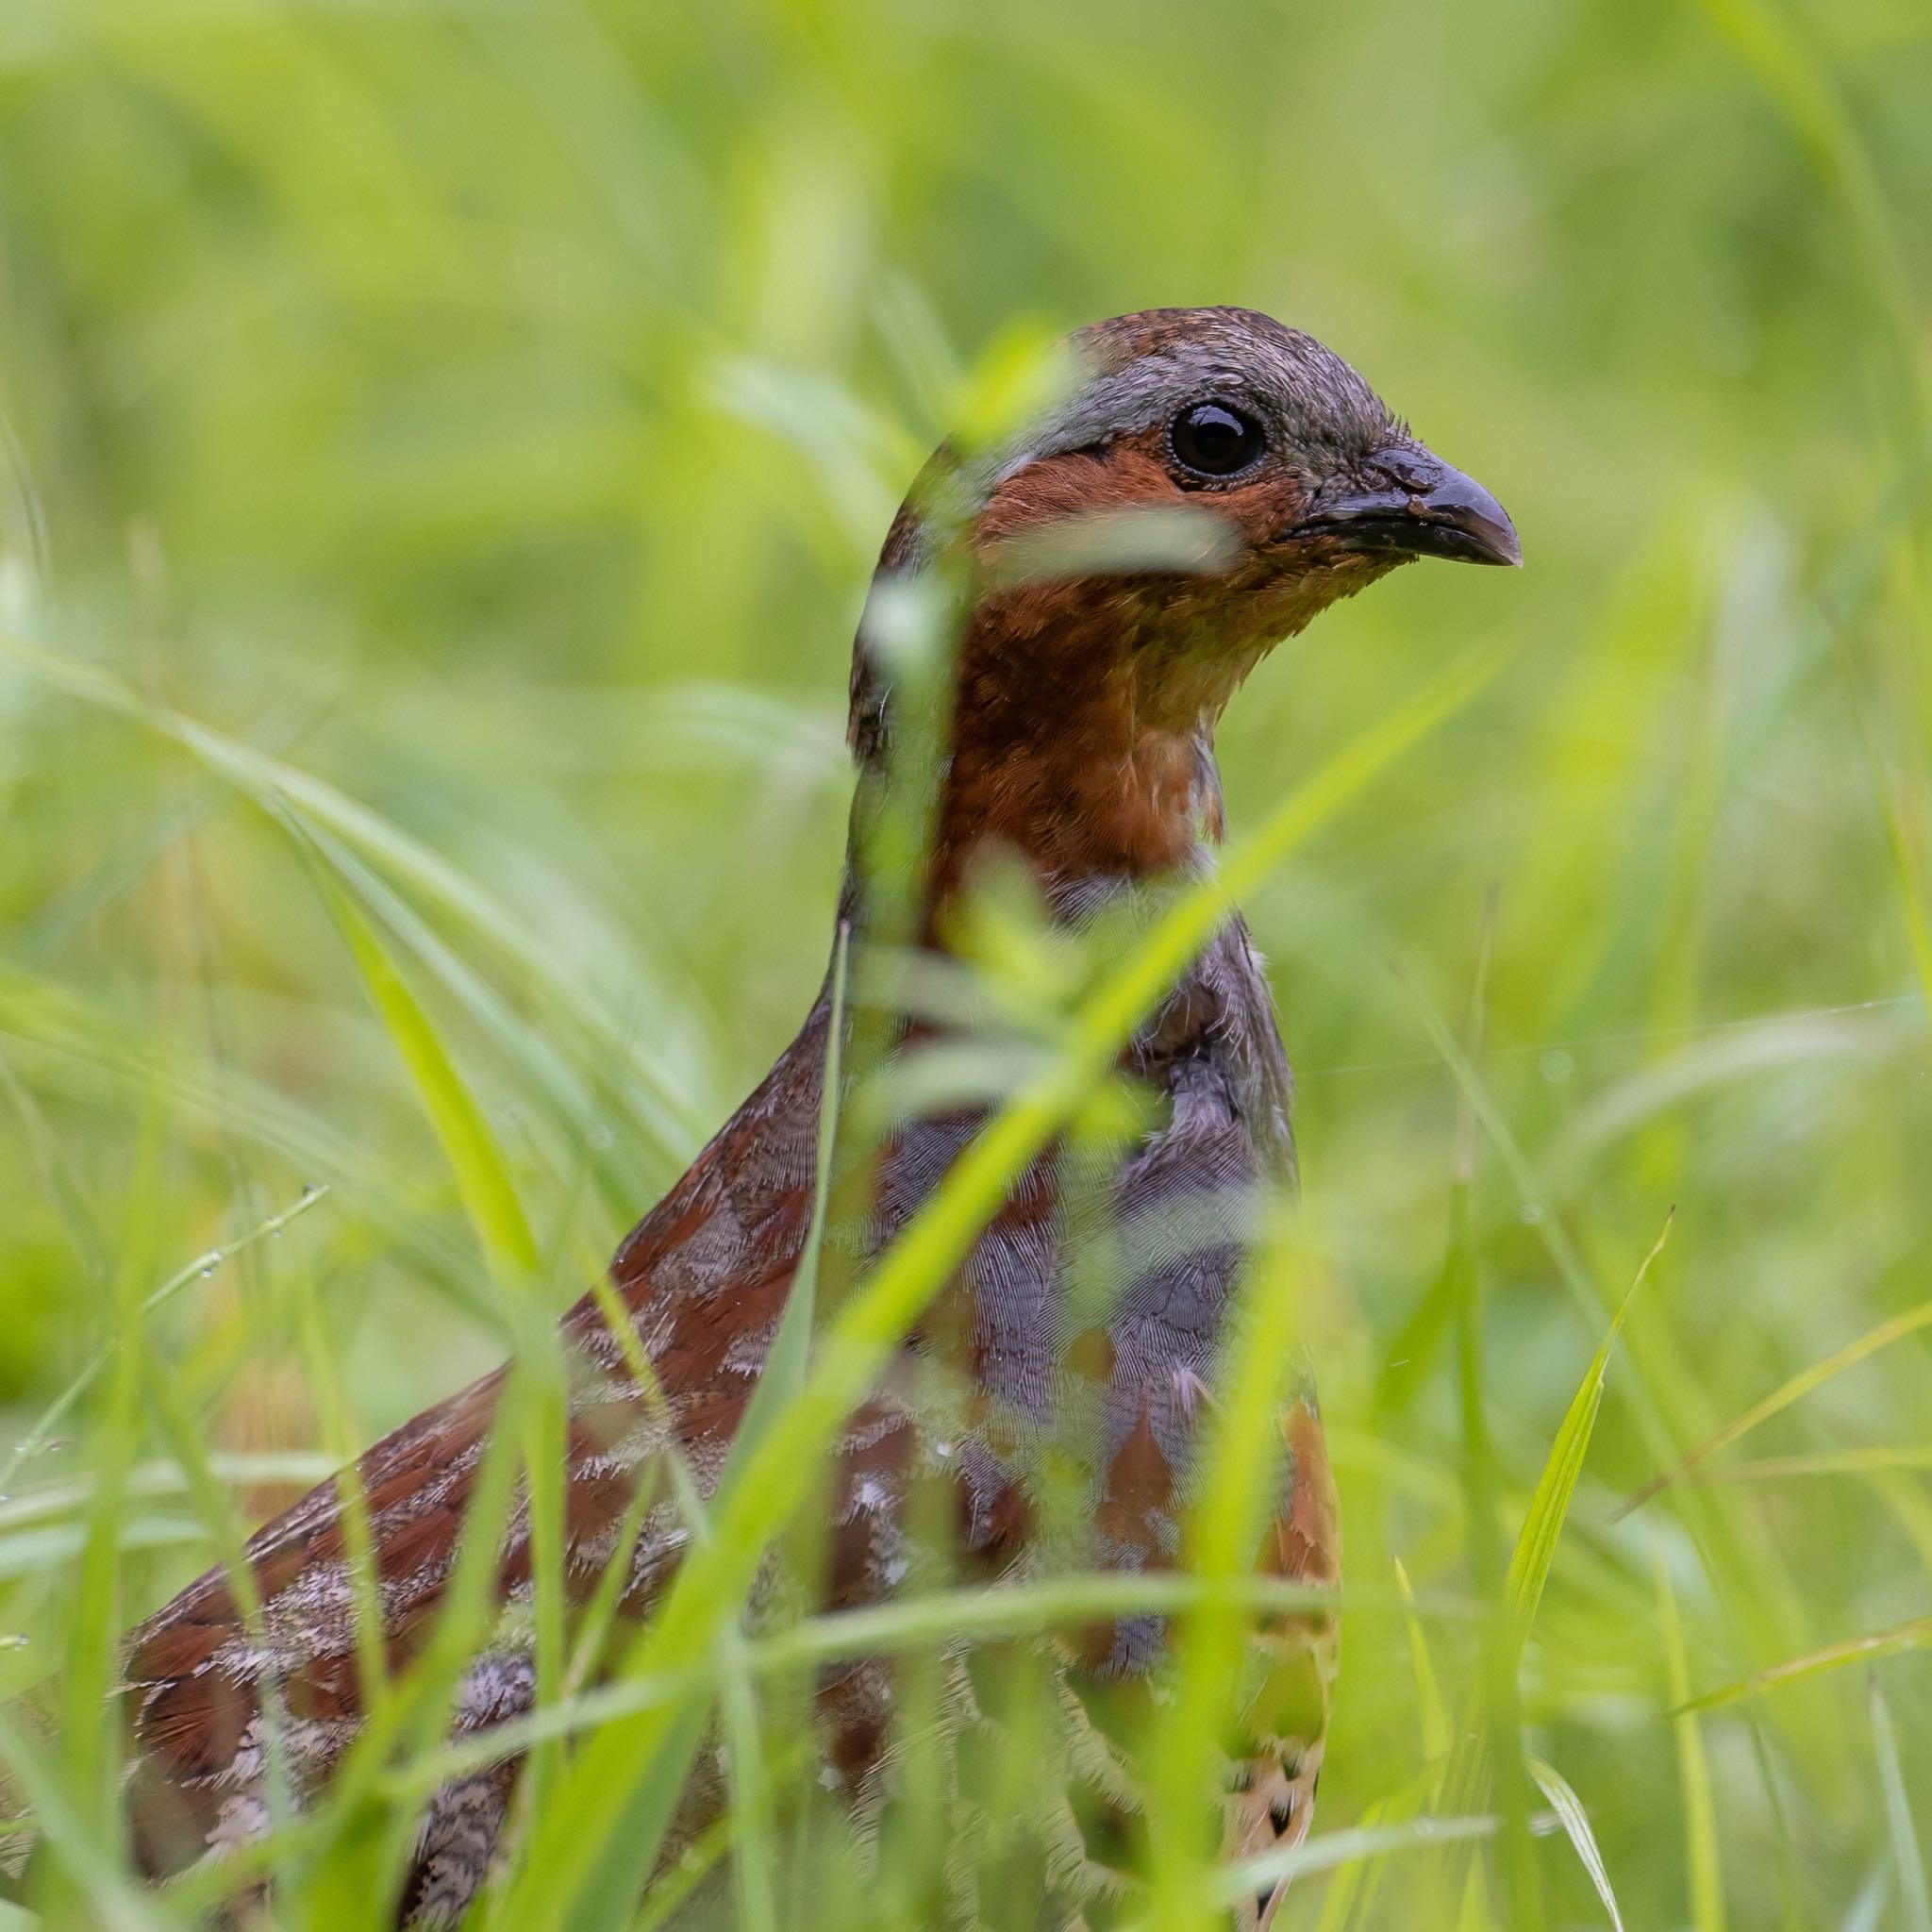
1128 475
1264 509
1135 473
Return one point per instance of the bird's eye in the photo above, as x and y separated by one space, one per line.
1212 440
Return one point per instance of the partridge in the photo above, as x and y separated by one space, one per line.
1084 700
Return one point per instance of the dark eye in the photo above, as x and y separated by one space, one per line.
1213 440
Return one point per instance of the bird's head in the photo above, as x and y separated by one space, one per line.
1208 483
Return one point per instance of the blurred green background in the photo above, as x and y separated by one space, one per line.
493 411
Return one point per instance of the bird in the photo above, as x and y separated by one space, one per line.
1080 706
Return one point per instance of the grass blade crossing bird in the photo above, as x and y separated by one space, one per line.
1081 723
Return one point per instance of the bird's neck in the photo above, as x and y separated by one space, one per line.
1106 794
1081 740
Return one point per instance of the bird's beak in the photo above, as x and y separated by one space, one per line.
1417 507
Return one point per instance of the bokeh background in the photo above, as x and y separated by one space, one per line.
490 413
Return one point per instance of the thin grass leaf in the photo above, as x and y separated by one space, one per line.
288 793
572 1097
1549 1502
1793 77
1471 1767
1896 1328
902 1625
1867 1908
1698 1808
1916 1634
1535 1204
1349 1900
88 1759
1871 1459
785 1363
1237 1462
35 1438
754 1859
1575 1820
1432 1711
1497 1734
1334 1849
467 1143
53 1502
88 1053
1906 1850
118 1904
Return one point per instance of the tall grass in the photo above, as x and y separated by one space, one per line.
444 450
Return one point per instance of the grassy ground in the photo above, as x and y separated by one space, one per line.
445 449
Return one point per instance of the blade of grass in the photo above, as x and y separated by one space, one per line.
91 1761
540 1069
1349 1899
1471 1765
1906 1850
42 1431
1219 1539
1575 1820
1549 1503
1867 1909
467 1143
1804 1383
1338 1848
753 1859
288 794
1870 1460
1500 1644
969 1614
1798 82
753 1846
118 1904
1915 1634
1432 1711
1699 1799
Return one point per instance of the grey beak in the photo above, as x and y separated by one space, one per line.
1417 505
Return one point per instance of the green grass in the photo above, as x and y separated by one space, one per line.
444 451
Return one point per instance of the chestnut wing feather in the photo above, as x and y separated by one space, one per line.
704 1278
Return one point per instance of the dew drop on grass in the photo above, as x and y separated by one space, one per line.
1531 1213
